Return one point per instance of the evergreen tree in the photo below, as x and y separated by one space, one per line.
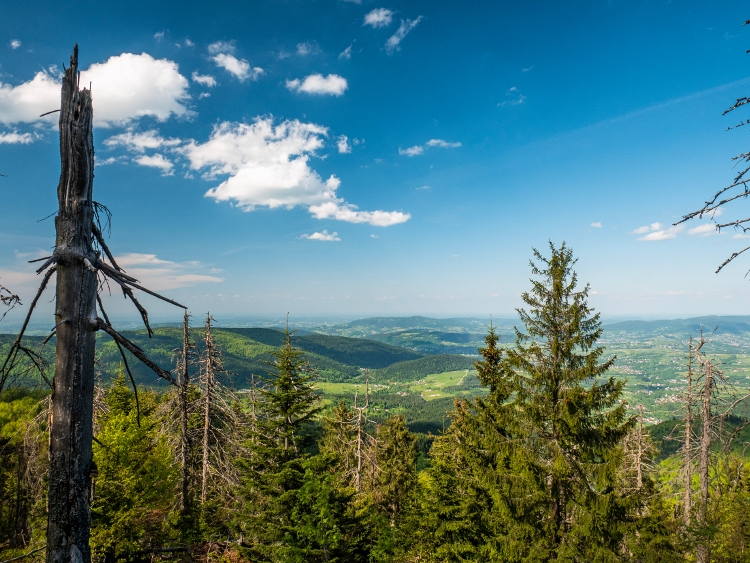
132 496
274 469
569 417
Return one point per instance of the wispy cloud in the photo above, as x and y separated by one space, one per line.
379 17
528 69
441 143
419 149
657 232
332 85
16 138
514 98
597 225
394 41
160 275
323 236
705 230
412 151
346 54
140 141
304 49
342 144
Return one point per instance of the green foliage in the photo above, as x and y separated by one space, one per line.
133 496
413 370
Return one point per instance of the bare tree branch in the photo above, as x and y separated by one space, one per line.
135 350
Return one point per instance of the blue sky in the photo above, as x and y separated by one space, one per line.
334 157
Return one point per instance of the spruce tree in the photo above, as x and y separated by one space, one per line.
274 469
569 417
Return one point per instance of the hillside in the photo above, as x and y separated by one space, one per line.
417 369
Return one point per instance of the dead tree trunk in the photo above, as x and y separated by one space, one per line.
209 376
687 448
703 554
639 451
71 432
184 438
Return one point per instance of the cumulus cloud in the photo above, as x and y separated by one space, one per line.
204 79
379 17
419 149
333 85
324 236
156 161
394 41
139 142
15 138
125 87
412 151
15 44
240 68
268 166
597 225
159 275
342 143
705 230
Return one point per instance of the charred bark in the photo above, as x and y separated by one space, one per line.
71 431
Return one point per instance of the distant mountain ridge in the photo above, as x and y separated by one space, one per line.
691 326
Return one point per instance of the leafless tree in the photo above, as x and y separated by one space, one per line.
78 262
737 189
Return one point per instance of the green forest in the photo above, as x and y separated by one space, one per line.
538 458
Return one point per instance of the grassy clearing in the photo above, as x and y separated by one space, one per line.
433 386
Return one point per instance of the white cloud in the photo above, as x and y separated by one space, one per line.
125 87
342 143
514 101
527 69
159 275
423 188
156 161
15 44
304 49
705 230
138 142
324 236
597 225
240 68
419 149
646 228
346 54
15 138
412 151
189 43
394 42
204 79
333 84
221 47
741 235
379 17
159 35
441 143
268 166
662 234
104 162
